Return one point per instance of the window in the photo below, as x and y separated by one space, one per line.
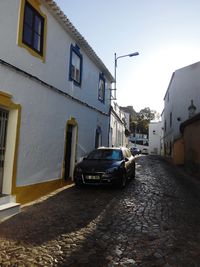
75 73
101 90
32 28
105 154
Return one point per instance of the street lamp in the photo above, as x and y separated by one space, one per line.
115 71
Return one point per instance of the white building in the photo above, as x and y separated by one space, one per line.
54 98
183 88
155 137
119 126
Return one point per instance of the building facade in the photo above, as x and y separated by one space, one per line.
190 130
155 138
182 91
54 98
119 126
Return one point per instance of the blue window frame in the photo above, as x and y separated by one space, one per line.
33 29
75 66
101 88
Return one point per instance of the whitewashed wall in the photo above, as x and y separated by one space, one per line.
155 137
55 69
183 87
117 127
44 111
42 131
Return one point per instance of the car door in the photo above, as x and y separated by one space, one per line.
131 164
128 161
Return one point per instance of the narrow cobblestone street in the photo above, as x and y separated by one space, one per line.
154 221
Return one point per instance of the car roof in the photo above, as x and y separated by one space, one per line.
113 148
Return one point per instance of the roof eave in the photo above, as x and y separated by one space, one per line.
74 33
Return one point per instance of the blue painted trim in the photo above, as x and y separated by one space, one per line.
75 49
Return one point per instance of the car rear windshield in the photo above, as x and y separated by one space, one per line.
106 154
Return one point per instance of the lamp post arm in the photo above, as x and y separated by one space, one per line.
115 66
128 55
122 56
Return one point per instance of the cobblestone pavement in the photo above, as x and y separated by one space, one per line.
154 221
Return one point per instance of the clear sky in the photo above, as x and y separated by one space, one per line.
166 33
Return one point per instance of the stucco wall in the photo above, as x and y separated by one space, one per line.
117 128
55 69
192 147
155 135
183 87
178 152
42 131
45 111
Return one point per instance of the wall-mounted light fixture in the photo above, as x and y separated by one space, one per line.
191 109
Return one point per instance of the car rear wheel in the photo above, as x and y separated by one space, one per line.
133 173
123 180
78 183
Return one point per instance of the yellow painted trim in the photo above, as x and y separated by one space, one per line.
14 175
7 103
25 194
36 5
72 121
28 193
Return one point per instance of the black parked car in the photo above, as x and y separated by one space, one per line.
105 165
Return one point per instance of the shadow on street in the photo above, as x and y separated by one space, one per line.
63 213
